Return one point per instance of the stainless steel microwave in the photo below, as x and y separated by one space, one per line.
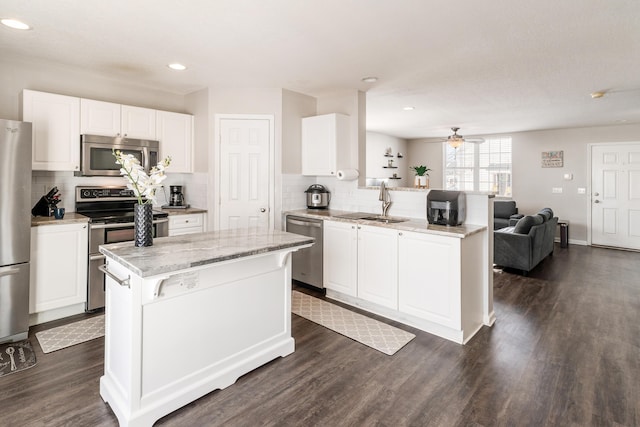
96 154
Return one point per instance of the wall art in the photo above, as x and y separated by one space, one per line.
552 159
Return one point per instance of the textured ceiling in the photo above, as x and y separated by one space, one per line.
486 66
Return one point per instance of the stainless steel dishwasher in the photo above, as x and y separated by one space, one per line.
307 263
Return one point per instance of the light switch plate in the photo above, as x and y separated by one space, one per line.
582 190
568 176
556 190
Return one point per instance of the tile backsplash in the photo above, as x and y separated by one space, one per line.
195 187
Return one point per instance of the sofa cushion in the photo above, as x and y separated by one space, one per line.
504 208
524 224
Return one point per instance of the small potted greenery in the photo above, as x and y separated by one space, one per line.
422 176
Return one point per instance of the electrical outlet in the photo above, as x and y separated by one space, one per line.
582 190
556 190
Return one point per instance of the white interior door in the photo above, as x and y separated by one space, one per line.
245 172
615 195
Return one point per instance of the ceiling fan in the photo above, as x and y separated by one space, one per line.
456 139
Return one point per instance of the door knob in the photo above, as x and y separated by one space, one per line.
263 210
596 194
596 201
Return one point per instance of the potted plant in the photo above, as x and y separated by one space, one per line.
422 176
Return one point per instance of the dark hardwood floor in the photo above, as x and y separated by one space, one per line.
565 351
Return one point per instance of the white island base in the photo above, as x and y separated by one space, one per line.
172 338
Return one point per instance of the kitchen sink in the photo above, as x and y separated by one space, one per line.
384 219
367 216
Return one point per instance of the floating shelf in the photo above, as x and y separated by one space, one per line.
390 167
388 155
395 177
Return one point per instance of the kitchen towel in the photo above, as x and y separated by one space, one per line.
347 174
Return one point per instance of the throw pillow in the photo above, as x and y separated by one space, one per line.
524 225
549 212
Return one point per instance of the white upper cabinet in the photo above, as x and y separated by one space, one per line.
138 122
99 117
325 144
56 125
110 119
175 133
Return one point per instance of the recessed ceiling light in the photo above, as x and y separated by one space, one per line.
408 108
15 24
176 66
370 79
595 95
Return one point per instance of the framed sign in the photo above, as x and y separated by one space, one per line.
552 159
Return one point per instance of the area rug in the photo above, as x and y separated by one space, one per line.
370 332
71 334
16 357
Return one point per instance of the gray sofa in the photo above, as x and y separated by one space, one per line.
505 214
527 243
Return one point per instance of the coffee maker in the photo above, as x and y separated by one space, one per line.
176 198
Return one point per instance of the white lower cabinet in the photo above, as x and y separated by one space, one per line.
186 224
429 277
429 281
378 265
340 257
59 257
361 261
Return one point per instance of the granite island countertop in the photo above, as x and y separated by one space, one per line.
411 224
169 254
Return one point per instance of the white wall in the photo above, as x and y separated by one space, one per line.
377 144
424 152
295 106
16 76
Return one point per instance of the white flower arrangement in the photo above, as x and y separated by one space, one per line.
144 186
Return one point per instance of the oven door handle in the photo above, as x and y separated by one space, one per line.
124 224
96 257
114 225
119 281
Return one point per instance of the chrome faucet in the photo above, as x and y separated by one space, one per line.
385 198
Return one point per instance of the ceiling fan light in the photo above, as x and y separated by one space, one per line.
455 141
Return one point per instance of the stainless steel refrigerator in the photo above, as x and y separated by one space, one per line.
15 228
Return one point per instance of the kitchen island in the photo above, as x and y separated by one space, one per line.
191 314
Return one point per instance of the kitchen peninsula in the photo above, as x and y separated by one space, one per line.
191 314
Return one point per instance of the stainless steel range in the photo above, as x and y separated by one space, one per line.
110 212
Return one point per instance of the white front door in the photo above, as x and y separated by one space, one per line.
615 195
245 172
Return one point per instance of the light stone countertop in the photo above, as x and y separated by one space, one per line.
169 254
413 224
185 211
69 218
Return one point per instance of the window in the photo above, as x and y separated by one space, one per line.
479 167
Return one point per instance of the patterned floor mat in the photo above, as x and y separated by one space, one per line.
16 357
375 334
71 334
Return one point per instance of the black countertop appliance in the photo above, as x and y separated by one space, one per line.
446 207
318 197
